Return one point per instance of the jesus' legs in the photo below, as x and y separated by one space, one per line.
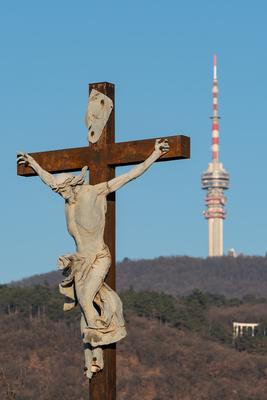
86 289
86 294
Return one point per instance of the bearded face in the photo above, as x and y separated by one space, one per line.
66 184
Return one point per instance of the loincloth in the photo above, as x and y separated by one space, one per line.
76 267
109 327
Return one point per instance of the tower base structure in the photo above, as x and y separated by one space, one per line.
215 180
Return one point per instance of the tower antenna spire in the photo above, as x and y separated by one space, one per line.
215 180
215 116
214 67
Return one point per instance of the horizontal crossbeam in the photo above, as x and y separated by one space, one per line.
115 154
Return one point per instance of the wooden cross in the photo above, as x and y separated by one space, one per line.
102 158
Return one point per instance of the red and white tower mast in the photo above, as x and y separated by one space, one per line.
215 180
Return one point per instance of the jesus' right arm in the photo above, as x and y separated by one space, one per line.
27 160
63 184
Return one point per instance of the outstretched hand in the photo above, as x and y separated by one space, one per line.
24 159
162 146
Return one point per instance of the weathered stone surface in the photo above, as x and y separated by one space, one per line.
102 320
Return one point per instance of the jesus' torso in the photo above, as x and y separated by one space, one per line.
85 219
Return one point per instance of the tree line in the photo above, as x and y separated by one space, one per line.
194 312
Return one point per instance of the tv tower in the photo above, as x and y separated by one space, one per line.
215 180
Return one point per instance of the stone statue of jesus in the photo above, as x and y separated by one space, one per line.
102 320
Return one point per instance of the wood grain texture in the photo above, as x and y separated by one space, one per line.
113 154
103 384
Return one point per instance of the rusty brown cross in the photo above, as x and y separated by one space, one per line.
102 158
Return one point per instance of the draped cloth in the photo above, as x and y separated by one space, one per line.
109 326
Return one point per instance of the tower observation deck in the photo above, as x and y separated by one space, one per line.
215 180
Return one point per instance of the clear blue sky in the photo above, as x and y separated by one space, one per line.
159 54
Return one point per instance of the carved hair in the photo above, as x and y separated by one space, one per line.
65 180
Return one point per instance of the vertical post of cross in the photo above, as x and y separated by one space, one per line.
103 385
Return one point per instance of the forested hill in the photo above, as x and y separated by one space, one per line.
232 277
175 349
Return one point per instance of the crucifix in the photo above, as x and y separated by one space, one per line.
101 157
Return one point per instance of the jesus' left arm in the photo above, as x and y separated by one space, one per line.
161 147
